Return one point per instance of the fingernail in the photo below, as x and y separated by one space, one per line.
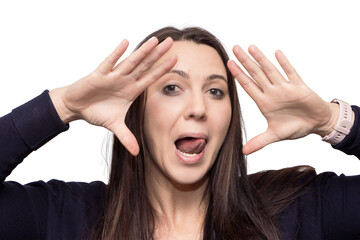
281 54
169 39
252 48
236 48
231 63
152 39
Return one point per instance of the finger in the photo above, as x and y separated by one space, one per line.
156 73
258 142
155 55
126 137
130 63
269 69
251 67
108 64
246 83
288 68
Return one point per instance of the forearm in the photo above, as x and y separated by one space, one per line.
25 129
12 147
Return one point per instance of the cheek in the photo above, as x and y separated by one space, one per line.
159 119
221 119
151 124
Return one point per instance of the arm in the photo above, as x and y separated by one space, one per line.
63 210
291 108
25 129
329 207
102 98
27 210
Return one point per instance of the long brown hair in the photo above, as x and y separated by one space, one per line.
240 206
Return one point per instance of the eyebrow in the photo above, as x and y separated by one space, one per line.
209 78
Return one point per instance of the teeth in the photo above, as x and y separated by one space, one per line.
187 154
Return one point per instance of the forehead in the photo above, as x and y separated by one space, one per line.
196 57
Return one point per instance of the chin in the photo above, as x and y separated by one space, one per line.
189 178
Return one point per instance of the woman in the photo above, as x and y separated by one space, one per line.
182 175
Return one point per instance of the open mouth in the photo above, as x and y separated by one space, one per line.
190 149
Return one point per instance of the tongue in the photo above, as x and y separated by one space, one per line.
191 145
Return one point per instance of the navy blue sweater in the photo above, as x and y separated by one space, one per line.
59 210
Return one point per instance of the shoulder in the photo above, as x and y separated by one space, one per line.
55 209
75 191
278 189
53 191
290 177
326 207
287 184
292 197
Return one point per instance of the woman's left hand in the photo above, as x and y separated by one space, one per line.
291 108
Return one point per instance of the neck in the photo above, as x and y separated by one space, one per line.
178 208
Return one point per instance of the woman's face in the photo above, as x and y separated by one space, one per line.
187 114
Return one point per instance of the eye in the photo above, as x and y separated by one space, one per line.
171 90
217 93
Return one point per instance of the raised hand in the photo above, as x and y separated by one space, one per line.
103 97
291 108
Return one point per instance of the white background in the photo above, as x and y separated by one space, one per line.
48 44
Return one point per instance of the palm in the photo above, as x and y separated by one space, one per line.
103 97
103 103
291 109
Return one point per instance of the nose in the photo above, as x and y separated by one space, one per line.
196 108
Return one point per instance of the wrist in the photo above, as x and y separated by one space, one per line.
328 127
343 125
64 113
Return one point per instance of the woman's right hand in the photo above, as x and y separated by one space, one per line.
103 97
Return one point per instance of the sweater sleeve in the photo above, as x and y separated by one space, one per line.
351 143
39 210
336 199
25 129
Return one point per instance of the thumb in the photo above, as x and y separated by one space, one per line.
127 138
259 142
